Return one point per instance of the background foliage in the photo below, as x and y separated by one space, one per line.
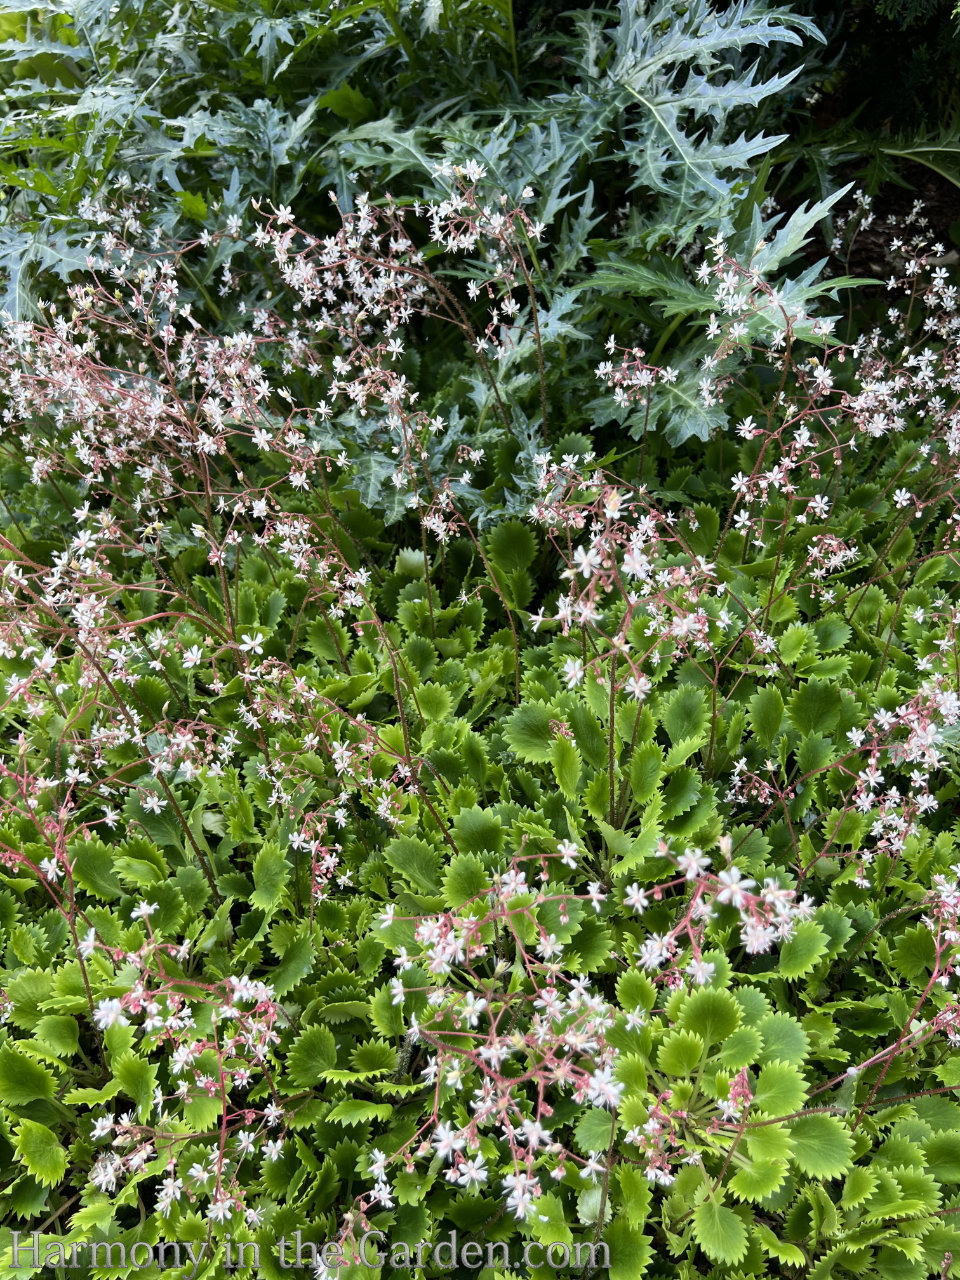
479 636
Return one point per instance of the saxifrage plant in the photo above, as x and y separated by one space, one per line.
587 877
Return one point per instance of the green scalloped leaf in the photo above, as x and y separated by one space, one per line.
631 1251
784 1039
415 860
352 1111
681 792
759 1179
915 953
769 1142
465 878
22 1080
138 1080
594 1130
477 830
527 731
435 702
741 1048
719 1232
636 991
646 765
684 714
567 764
511 545
801 952
270 874
680 1053
374 1058
779 1249
41 1152
313 1053
766 714
816 705
859 1185
711 1013
822 1146
635 1193
781 1089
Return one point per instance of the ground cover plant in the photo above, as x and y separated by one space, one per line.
481 694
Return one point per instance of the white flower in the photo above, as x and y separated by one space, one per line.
596 895
522 1189
693 862
144 909
472 1008
568 851
108 1013
701 971
573 672
251 643
587 560
170 1190
472 1172
447 1140
220 1210
757 937
549 946
636 898
192 656
612 504
103 1175
638 687
603 1089
655 950
734 886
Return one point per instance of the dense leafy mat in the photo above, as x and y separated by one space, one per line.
481 691
584 877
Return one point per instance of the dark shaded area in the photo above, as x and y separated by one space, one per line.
894 213
893 203
900 71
